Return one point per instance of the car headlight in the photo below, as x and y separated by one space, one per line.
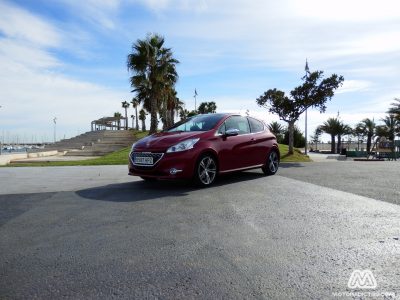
182 146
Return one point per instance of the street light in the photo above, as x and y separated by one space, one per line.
305 125
195 100
55 124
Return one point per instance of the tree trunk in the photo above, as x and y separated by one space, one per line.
333 144
167 122
172 121
137 120
369 138
339 144
126 118
291 137
143 125
153 116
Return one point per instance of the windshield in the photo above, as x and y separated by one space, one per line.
198 123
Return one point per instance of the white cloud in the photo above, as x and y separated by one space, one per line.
34 90
344 10
32 98
354 86
185 5
284 33
25 55
19 24
100 13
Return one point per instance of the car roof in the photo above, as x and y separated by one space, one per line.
220 114
228 115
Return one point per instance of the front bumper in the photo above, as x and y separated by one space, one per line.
183 162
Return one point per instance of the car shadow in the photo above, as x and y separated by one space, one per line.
287 165
144 190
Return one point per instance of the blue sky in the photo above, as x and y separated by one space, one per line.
67 59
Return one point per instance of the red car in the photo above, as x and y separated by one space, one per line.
204 146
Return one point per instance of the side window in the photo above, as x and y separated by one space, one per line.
238 122
221 129
255 125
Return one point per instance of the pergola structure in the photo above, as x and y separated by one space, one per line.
112 123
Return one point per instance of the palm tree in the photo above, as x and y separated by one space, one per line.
135 103
119 116
154 71
180 109
207 108
277 129
391 126
183 114
315 137
343 129
142 117
367 126
358 131
395 109
331 127
169 106
126 105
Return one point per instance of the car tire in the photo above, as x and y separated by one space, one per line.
206 170
272 164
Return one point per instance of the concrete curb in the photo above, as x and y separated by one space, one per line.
7 158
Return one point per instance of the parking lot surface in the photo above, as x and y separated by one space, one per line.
94 232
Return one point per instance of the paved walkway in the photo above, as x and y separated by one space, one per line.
53 158
320 157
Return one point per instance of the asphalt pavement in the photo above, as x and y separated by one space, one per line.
95 233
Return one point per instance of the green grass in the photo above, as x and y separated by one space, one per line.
297 156
121 158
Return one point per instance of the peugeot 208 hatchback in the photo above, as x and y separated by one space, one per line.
204 146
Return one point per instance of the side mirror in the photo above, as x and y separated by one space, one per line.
232 132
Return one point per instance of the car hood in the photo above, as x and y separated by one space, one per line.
163 140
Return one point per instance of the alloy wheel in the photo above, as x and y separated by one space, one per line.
273 162
207 170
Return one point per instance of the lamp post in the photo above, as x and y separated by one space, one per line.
195 100
55 125
305 125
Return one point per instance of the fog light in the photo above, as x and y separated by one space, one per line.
173 171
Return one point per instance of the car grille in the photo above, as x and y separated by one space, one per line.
156 158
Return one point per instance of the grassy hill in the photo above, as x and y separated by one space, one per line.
297 156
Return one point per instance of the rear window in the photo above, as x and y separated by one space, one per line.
255 125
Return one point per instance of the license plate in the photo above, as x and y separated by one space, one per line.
143 160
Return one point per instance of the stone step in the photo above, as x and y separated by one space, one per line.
95 143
